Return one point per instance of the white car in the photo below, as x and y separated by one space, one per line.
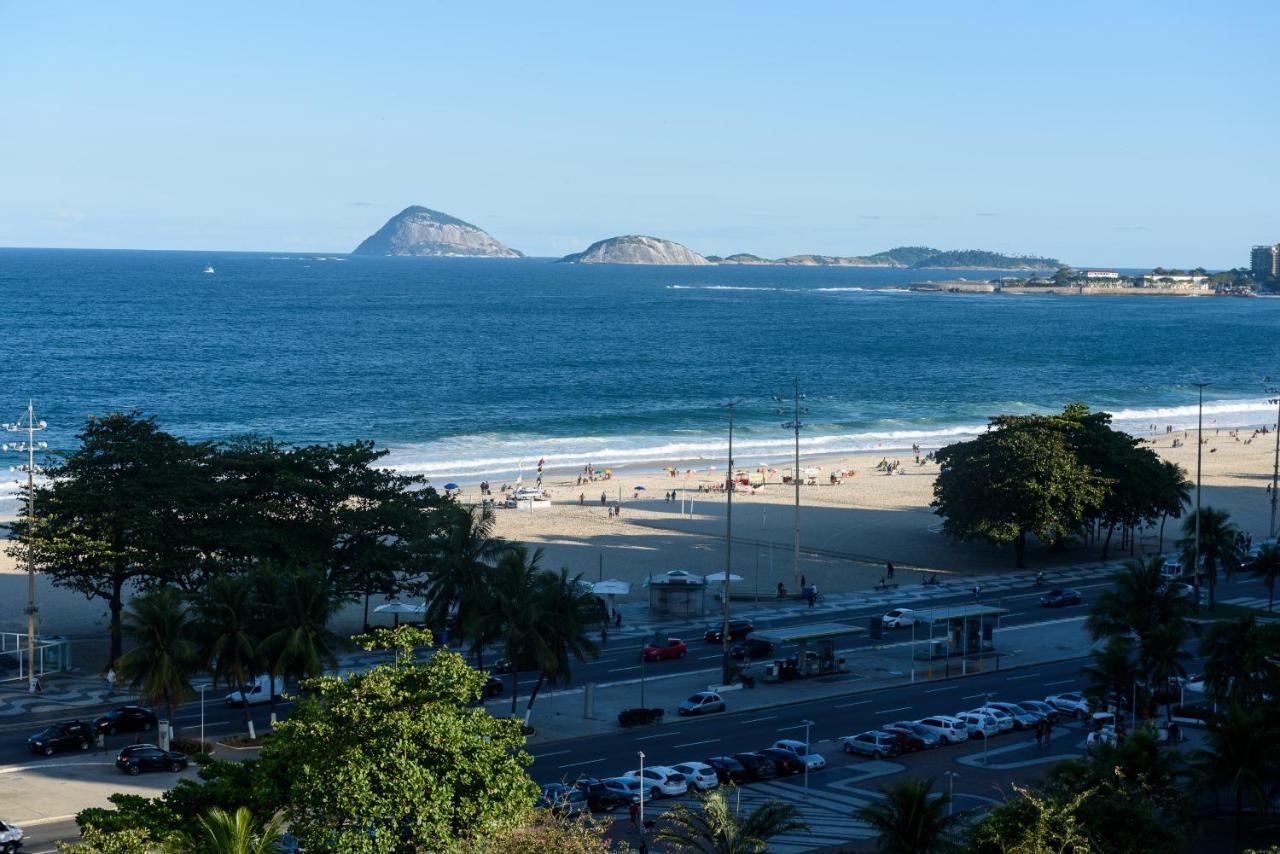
900 618
1022 717
1003 719
1106 735
813 761
979 724
628 786
260 691
1071 702
699 775
661 781
948 729
10 837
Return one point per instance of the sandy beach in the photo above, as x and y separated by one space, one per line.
847 530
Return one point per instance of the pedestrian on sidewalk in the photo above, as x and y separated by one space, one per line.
111 682
890 567
635 813
1048 730
617 619
1039 733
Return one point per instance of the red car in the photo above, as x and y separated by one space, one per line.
671 648
908 741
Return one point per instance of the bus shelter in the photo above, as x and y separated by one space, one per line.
956 630
816 655
677 591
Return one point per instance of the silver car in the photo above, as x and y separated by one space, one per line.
702 703
1022 718
873 743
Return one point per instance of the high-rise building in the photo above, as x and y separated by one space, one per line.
1266 263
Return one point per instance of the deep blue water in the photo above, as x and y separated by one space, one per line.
465 367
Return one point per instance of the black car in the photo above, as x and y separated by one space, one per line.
600 798
751 649
492 687
1060 598
728 769
759 766
137 758
738 629
72 735
784 761
125 719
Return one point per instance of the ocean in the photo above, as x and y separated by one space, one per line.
469 368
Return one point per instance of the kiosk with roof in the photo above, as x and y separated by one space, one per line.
820 660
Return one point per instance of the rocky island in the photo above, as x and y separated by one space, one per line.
911 257
421 231
636 249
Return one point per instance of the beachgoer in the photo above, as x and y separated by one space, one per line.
617 619
582 498
802 582
890 567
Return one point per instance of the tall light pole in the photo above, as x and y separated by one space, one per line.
728 544
1195 568
951 792
642 790
1275 472
807 725
31 426
795 424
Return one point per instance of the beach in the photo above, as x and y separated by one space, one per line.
848 531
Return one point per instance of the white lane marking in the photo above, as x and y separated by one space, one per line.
940 690
587 762
706 657
847 705
1059 682
552 753
659 735
623 669
1028 676
984 694
695 743
758 720
887 711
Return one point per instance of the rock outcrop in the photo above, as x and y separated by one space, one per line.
421 231
636 249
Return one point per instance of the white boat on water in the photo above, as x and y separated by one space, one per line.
208 268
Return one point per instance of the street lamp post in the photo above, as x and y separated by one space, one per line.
807 725
1195 569
728 546
795 425
641 794
951 792
31 426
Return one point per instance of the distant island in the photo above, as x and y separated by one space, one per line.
636 249
911 257
419 231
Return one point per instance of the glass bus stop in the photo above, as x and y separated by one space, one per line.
816 655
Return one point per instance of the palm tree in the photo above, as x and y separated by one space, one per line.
513 611
910 819
238 833
1175 494
225 611
1217 546
716 828
1266 566
1137 602
566 610
1114 669
1163 656
1236 664
1241 752
302 646
163 657
456 580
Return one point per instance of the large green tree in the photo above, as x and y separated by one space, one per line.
294 607
1242 753
1266 568
225 609
566 612
1022 477
455 587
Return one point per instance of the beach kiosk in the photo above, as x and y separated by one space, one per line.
677 591
816 655
957 630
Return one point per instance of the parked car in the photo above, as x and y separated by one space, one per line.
700 775
738 629
900 618
948 729
1004 721
562 799
261 691
10 838
728 769
751 649
493 687
929 737
661 781
758 767
784 760
71 735
701 703
125 719
1060 598
1071 702
601 798
805 751
908 742
1179 590
670 648
979 724
873 743
137 758
627 787
1022 718
1050 713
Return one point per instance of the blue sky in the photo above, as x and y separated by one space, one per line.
1100 133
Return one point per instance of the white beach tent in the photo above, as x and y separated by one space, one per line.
611 587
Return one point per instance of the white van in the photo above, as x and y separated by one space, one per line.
948 729
259 692
1171 570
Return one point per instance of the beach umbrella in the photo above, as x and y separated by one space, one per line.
398 608
611 587
638 489
451 486
719 576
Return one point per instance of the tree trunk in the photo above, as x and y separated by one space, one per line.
245 714
1106 544
533 695
1163 516
117 605
1020 549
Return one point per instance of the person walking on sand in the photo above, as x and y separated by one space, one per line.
890 567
